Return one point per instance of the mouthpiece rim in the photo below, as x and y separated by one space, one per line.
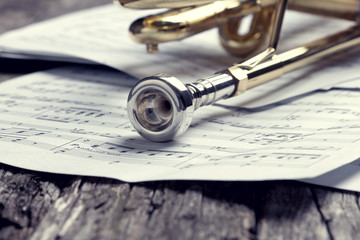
144 102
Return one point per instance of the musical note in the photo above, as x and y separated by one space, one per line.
70 114
269 138
24 132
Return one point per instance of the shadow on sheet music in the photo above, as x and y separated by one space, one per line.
345 177
24 66
285 101
10 65
21 66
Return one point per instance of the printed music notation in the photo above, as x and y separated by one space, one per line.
289 160
297 139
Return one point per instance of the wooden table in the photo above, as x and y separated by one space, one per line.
37 205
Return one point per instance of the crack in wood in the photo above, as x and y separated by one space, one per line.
325 221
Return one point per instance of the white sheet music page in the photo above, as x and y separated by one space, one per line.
346 177
74 121
101 35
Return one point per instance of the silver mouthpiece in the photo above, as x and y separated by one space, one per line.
160 107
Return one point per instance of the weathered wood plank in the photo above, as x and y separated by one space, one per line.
24 199
95 208
341 213
227 211
289 212
86 210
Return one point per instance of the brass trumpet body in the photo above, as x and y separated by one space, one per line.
187 18
160 107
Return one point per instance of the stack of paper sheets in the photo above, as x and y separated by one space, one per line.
73 120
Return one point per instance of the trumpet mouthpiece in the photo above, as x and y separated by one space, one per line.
160 107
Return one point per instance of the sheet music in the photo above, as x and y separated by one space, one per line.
100 35
346 177
74 121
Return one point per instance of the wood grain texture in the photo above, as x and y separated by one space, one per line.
36 205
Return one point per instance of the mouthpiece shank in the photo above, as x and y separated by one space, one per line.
160 107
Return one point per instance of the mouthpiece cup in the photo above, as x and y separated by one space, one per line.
160 107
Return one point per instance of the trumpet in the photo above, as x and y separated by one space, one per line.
160 107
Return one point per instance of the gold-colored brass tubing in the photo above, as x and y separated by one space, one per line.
152 4
346 9
253 41
182 23
296 58
265 27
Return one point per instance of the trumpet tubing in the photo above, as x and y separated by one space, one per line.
346 9
191 17
160 107
181 23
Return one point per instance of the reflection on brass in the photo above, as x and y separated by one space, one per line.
160 107
186 18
